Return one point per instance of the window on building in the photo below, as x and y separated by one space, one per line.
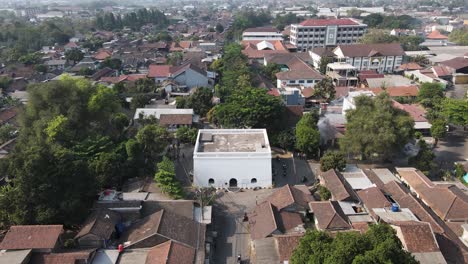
310 81
254 180
211 181
301 81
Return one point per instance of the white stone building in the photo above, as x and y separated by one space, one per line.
262 33
232 158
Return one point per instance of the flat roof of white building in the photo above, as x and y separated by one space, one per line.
157 112
232 141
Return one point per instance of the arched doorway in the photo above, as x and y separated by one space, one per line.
232 182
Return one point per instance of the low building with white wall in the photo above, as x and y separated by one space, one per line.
232 158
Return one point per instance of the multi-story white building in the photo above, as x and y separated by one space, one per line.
313 33
262 33
232 158
379 57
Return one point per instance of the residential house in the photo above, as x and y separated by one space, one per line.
67 257
98 229
459 68
266 220
39 238
328 216
262 33
171 118
54 65
291 198
295 71
342 74
337 185
164 226
446 200
256 50
435 38
418 113
171 252
187 75
418 238
101 55
373 198
275 249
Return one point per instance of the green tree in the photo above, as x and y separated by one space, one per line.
324 193
307 135
438 130
74 55
271 70
219 28
430 94
6 133
378 245
324 61
30 59
200 101
165 178
249 108
53 163
40 68
456 111
182 102
5 82
376 128
424 160
333 160
459 36
376 36
153 140
325 89
187 135
139 101
112 63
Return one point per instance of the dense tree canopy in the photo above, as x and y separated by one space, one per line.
456 111
234 71
249 108
391 22
133 20
333 160
55 167
459 36
378 245
246 19
307 134
375 127
430 94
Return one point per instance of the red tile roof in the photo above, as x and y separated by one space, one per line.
84 256
397 91
286 245
328 22
329 215
417 236
456 63
290 195
299 70
334 182
159 71
417 112
369 50
373 198
32 237
410 66
447 201
251 51
102 55
274 92
170 252
436 35
262 29
8 114
401 195
262 221
441 71
175 119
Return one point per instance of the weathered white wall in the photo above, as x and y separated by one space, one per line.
222 170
